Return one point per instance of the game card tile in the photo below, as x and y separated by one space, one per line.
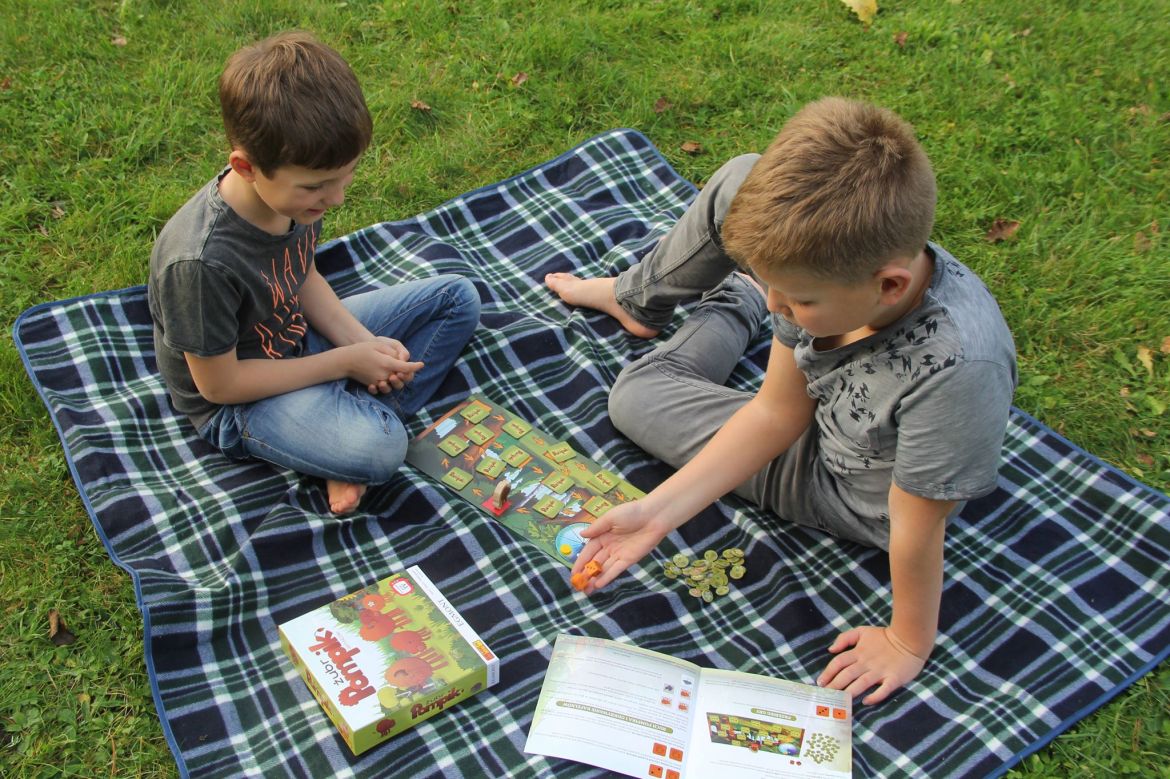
549 506
515 456
558 453
490 467
453 445
475 412
457 478
603 481
480 435
557 482
597 505
517 428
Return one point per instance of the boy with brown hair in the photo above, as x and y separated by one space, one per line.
255 347
888 386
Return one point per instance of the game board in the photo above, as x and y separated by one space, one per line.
555 491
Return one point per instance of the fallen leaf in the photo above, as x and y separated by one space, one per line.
1165 345
1146 358
691 147
865 9
1141 243
1155 228
1124 392
1002 229
58 633
57 212
900 38
1148 433
419 105
1145 460
118 40
6 84
519 78
661 104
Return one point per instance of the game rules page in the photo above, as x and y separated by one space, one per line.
645 714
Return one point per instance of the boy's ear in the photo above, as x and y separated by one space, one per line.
242 166
895 281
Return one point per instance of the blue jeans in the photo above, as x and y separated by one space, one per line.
338 430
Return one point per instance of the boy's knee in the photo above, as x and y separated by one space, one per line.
464 296
725 183
627 404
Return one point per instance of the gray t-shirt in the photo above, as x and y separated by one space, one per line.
217 283
924 402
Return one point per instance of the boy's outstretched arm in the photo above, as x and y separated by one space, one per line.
756 434
889 657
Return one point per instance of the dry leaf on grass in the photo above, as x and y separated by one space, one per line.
1002 229
865 9
1165 349
58 633
519 78
900 38
118 40
1146 357
691 147
419 105
661 104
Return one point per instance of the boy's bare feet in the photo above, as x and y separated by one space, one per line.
598 295
343 496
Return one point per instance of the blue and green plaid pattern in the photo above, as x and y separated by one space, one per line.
1056 594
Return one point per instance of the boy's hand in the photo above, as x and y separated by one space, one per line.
617 540
877 658
382 364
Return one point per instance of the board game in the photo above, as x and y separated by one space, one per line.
553 492
384 658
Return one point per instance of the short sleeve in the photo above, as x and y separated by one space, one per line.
197 306
951 430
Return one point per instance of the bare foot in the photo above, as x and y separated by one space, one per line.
598 295
343 496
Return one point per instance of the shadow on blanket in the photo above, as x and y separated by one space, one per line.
1055 596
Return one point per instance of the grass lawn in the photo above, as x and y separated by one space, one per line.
1053 115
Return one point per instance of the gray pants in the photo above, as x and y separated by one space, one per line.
673 400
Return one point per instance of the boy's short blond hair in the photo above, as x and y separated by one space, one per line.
292 100
842 190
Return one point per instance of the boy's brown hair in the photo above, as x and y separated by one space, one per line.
842 190
292 100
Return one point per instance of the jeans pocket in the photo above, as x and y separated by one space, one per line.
222 432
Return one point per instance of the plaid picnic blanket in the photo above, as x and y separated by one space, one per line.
1056 583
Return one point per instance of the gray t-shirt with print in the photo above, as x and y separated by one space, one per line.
217 283
923 403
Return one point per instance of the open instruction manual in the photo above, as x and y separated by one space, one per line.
646 714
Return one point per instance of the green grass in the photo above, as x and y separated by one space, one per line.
1057 117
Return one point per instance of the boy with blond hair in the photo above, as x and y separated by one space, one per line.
255 347
888 386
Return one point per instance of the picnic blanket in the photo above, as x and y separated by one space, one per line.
1056 583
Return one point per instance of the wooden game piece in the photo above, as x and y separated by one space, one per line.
500 495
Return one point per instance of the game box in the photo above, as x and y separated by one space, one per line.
384 658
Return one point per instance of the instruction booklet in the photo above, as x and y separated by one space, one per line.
647 714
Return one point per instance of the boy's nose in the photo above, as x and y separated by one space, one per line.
335 197
777 304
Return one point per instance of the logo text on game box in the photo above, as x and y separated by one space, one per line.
341 668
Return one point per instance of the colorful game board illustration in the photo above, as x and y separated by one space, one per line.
754 734
555 492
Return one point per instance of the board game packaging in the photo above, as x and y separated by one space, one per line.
384 658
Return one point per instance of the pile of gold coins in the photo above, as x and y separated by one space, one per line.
709 576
